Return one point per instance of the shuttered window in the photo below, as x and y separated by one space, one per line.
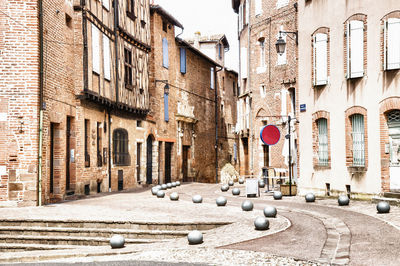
320 59
355 49
212 78
357 125
106 57
323 154
392 44
183 60
243 62
95 49
106 4
165 52
166 111
258 7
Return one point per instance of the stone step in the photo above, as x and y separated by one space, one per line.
391 201
395 195
91 232
112 224
68 240
10 247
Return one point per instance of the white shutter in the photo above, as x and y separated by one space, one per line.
240 18
258 7
247 12
212 78
356 48
283 103
106 57
95 49
106 4
321 59
243 62
393 43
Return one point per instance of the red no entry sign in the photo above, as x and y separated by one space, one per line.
270 135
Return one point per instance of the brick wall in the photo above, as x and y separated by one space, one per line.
19 90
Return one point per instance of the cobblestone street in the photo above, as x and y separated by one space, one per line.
302 234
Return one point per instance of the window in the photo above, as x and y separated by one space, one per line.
323 153
130 9
243 62
392 44
282 3
183 60
87 143
212 82
120 147
139 123
240 18
234 88
219 51
357 126
106 4
261 64
320 45
106 57
95 49
355 49
128 68
165 26
166 111
247 9
165 52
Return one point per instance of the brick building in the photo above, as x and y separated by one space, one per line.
183 89
268 85
349 66
216 47
81 106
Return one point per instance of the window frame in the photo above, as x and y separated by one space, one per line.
130 9
128 69
323 142
358 140
121 155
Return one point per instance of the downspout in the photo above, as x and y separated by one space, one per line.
109 149
116 50
216 125
250 92
41 84
85 47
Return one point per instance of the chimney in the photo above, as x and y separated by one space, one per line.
197 35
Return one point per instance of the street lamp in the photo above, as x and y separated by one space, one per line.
281 44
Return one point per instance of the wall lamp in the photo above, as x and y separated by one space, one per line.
166 87
281 44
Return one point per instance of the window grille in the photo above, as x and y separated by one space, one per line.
323 153
357 124
394 116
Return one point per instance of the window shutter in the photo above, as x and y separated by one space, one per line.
165 52
247 113
234 151
240 17
212 83
243 62
106 57
258 7
321 59
95 49
106 4
183 60
247 12
393 43
356 48
166 113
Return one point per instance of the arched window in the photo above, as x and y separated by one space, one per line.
357 126
120 147
323 152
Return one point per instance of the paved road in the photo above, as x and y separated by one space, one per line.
113 263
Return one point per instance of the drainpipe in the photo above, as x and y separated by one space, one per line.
250 92
41 84
216 125
109 150
116 50
85 47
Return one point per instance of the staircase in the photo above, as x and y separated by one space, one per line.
37 234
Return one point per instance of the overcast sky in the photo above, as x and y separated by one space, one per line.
208 17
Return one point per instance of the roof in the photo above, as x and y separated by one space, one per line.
196 51
211 38
166 15
235 5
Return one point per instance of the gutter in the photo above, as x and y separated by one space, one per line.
41 85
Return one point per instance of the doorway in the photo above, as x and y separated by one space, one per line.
393 120
138 158
68 159
185 159
149 164
245 144
168 155
52 128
